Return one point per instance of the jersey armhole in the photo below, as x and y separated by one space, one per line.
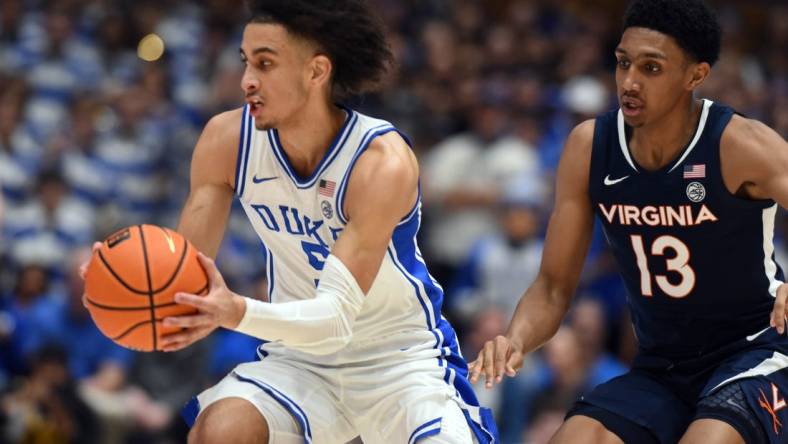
369 136
244 146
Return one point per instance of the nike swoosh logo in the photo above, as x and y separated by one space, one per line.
255 179
609 181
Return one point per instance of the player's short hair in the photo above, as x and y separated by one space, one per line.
346 31
691 23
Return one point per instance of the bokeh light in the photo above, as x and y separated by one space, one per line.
150 48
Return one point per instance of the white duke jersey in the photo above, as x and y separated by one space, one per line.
300 218
400 327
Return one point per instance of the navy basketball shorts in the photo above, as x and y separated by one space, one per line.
748 391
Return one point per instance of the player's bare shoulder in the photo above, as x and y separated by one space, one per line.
216 152
387 171
575 166
749 137
751 154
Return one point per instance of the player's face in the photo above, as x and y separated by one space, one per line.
652 75
276 79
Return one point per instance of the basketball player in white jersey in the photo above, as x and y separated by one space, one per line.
356 344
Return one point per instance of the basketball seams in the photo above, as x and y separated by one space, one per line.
130 329
150 286
117 277
142 307
134 327
177 269
137 308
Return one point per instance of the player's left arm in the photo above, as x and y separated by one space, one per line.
382 188
755 165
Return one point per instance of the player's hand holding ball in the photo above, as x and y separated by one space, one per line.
498 356
219 308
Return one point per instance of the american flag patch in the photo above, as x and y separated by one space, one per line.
326 187
695 171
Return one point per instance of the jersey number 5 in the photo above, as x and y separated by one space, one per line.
678 263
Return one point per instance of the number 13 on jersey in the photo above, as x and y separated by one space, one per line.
677 262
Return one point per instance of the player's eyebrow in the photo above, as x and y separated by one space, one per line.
647 55
261 49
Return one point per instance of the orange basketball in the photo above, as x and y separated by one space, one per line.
131 283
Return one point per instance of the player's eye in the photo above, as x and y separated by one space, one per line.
653 68
623 63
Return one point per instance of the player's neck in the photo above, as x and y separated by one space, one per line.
657 143
307 137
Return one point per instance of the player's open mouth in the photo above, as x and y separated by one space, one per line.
255 106
631 107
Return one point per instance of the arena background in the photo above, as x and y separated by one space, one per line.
101 103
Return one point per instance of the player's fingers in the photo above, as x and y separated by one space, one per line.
475 367
215 278
514 363
177 341
83 268
200 320
199 302
489 361
501 350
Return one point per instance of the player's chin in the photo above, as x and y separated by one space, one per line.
261 124
635 121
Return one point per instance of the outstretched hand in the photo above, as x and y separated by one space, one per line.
219 308
780 310
498 357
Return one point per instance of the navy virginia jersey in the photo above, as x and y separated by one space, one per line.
698 261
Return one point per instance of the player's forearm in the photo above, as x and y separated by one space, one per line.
321 325
204 218
538 315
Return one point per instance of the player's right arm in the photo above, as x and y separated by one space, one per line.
540 310
204 216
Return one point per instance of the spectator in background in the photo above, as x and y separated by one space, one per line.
501 264
45 408
18 149
464 177
73 152
45 230
132 151
30 306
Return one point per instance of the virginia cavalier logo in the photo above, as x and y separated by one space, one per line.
696 192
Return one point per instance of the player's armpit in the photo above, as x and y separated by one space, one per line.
382 190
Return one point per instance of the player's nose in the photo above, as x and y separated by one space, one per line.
631 83
249 82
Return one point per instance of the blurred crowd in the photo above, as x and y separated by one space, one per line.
93 138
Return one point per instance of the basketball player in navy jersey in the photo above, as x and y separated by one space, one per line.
686 190
355 342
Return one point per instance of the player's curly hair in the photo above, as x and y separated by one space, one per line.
346 31
691 23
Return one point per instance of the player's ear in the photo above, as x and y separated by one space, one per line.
697 74
320 69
